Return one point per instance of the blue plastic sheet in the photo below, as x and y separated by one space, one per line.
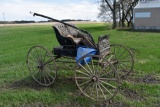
81 51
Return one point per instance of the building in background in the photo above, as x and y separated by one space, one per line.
146 15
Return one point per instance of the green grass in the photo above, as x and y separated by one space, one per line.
17 88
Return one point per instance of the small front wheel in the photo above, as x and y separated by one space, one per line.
41 65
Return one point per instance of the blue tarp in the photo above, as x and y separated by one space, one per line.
81 51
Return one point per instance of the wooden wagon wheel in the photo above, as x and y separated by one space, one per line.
122 58
96 79
41 65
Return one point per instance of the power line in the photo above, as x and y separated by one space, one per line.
4 18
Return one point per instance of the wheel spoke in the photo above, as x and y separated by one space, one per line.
125 57
33 52
32 61
93 65
34 71
84 82
119 70
41 56
37 55
108 84
47 76
122 67
33 58
92 89
115 52
121 61
48 61
83 73
121 54
44 77
102 91
87 86
106 89
88 67
49 65
83 78
50 70
98 69
39 76
32 65
125 65
44 56
105 73
108 79
109 59
118 52
85 69
97 91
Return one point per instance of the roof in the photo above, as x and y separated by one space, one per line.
148 4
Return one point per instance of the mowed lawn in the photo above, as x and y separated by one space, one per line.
17 88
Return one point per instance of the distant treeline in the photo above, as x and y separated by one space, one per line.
67 20
16 22
24 21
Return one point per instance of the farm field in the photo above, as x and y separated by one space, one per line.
17 88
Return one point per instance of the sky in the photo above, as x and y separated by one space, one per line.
13 10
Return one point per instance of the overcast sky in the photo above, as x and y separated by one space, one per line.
59 9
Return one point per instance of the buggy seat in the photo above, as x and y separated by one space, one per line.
69 36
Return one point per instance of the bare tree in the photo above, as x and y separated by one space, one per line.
105 13
118 10
127 11
112 4
108 10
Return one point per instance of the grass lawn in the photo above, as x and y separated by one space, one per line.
17 88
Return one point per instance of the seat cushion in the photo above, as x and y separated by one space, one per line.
76 40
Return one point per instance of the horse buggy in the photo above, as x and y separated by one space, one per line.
97 67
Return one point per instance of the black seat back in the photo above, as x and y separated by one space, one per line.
62 31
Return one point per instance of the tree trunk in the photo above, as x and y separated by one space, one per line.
114 15
119 9
114 20
123 16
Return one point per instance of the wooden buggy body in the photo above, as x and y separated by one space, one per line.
97 78
70 39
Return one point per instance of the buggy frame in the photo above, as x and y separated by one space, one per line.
98 78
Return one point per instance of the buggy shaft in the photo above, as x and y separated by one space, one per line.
36 14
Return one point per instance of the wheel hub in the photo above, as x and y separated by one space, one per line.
94 78
40 66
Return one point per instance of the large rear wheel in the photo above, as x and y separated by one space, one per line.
96 79
122 58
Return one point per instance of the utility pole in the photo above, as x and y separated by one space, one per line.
4 18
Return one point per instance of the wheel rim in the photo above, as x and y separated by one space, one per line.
122 58
41 65
97 80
